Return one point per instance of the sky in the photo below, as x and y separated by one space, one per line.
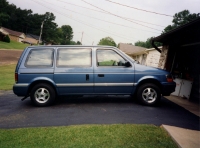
92 20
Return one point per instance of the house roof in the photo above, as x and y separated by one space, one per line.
160 47
12 32
131 49
30 40
4 32
179 30
32 36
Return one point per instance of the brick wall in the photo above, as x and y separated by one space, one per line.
163 57
14 38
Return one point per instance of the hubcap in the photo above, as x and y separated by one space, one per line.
149 95
42 95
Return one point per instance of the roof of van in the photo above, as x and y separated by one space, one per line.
73 46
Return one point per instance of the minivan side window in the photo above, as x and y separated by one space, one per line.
74 57
107 57
40 58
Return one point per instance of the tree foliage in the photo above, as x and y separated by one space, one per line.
78 43
28 22
147 43
181 18
107 41
67 34
4 17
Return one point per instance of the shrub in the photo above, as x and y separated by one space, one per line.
6 39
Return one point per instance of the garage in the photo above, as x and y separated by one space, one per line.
181 56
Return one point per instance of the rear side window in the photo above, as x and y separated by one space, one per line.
74 57
40 58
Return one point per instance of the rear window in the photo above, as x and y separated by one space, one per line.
40 58
74 57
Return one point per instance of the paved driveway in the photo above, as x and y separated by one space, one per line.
15 113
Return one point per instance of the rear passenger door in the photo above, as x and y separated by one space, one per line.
111 76
74 71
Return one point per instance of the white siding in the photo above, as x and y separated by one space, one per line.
20 40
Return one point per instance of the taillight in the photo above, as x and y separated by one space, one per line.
169 78
16 77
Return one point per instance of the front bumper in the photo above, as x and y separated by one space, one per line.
168 88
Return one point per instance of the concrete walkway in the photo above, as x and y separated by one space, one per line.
185 138
190 106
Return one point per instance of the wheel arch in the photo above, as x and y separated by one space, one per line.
149 80
39 81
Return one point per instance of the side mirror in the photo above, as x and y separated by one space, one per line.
137 62
127 64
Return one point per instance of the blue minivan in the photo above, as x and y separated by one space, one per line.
45 72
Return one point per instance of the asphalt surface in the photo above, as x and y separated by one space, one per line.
15 113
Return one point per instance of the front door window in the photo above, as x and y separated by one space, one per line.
109 58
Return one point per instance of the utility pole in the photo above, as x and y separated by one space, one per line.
82 38
41 32
92 42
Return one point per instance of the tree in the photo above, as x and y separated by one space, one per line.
78 43
3 13
147 44
107 41
25 21
75 43
66 35
49 28
141 44
181 18
4 17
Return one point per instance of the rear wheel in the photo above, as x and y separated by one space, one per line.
149 94
42 95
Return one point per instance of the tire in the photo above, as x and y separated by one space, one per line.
149 94
42 95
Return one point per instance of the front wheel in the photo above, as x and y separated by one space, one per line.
149 94
42 95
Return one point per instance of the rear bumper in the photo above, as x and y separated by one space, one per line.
168 88
20 89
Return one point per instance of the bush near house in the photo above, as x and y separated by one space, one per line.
6 39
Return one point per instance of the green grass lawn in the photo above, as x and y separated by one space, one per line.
13 45
86 136
7 77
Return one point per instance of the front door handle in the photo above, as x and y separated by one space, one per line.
100 75
87 77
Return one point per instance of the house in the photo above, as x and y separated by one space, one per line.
181 56
148 57
153 57
14 35
31 39
136 52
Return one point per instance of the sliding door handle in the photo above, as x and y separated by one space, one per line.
87 77
100 75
